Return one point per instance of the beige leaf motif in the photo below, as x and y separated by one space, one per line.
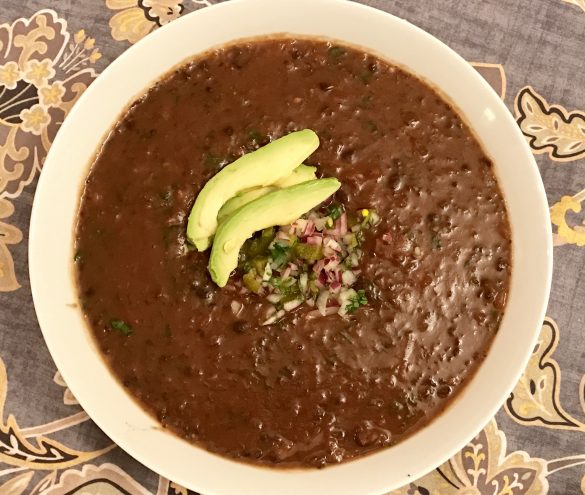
483 467
535 399
106 479
578 3
17 485
45 454
550 128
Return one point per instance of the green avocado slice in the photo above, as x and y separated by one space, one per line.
301 174
279 207
260 168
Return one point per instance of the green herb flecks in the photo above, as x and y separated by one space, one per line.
336 52
121 326
279 254
334 211
357 301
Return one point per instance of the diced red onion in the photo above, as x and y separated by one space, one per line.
319 266
333 244
309 228
343 224
334 287
315 240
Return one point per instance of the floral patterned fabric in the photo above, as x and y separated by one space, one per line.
531 51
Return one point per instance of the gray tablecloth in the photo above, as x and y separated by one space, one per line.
531 51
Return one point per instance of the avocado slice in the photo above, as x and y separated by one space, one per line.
260 168
301 174
241 199
279 207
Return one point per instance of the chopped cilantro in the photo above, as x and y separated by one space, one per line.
334 211
356 301
279 254
121 326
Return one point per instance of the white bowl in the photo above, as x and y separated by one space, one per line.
54 216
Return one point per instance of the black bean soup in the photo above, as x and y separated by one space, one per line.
302 391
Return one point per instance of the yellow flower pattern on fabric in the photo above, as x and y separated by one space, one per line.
51 95
34 119
43 70
549 128
136 18
9 75
38 73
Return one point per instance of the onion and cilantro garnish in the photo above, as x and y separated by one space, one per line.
261 214
314 261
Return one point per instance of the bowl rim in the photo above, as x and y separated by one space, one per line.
137 431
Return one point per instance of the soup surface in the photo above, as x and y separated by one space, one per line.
304 390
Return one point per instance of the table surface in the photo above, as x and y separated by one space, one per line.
531 51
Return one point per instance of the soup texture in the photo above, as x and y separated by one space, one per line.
305 390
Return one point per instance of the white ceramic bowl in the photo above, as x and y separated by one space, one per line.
54 216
